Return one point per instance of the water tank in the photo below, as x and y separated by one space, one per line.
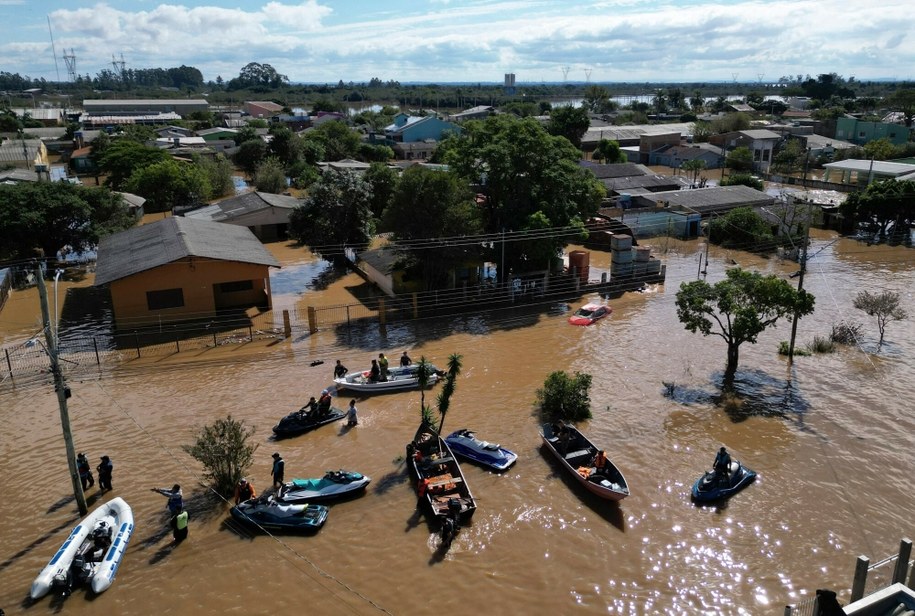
579 261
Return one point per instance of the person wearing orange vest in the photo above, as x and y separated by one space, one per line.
244 491
600 461
423 486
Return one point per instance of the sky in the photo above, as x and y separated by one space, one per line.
447 41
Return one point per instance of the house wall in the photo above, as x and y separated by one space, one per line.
384 281
858 132
196 278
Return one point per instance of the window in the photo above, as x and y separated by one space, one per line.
234 287
167 298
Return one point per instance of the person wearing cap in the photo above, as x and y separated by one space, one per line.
104 474
279 470
244 491
85 471
175 498
324 403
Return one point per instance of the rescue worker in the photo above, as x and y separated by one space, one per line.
722 464
324 403
179 525
104 474
279 471
600 461
175 498
351 418
340 370
374 372
85 471
382 367
405 360
244 491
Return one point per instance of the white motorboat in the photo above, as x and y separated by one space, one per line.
92 552
399 377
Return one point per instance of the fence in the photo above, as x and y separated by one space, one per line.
868 579
6 285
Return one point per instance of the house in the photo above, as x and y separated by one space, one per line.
134 204
265 214
262 109
217 134
81 161
859 132
179 269
145 106
412 129
24 154
760 142
474 113
867 171
675 155
625 179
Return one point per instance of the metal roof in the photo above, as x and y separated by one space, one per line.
18 150
246 203
149 246
878 167
132 102
713 197
615 170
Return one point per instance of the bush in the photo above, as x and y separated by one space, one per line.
821 345
845 333
783 348
565 397
223 450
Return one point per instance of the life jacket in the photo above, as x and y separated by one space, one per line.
181 520
600 461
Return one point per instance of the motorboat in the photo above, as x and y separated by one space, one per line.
266 512
589 314
333 485
440 483
304 420
399 377
91 554
465 444
577 455
711 487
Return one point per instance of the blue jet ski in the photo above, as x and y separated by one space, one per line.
711 487
266 512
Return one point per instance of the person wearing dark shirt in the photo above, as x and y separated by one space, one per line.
340 370
85 471
722 464
374 372
104 474
405 360
279 470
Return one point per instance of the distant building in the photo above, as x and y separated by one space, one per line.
860 133
760 142
262 109
145 106
474 113
179 269
265 214
24 154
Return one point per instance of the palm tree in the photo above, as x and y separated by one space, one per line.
423 372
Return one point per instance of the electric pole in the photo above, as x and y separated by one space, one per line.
62 392
800 287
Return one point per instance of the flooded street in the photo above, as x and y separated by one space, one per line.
830 438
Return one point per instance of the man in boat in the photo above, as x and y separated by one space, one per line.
310 408
244 491
382 367
374 372
564 437
340 370
175 498
324 404
722 465
600 461
405 360
279 471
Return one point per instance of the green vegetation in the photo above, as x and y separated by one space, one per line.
222 447
885 209
784 348
269 176
168 184
845 333
738 309
885 307
744 179
565 397
741 228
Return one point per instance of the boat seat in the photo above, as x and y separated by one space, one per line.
576 454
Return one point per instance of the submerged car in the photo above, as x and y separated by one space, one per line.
589 313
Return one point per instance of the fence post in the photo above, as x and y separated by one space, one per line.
287 325
9 364
382 317
177 344
250 334
787 610
348 323
136 340
902 563
415 306
857 586
312 320
98 361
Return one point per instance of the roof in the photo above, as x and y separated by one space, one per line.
760 133
81 152
381 259
18 150
878 167
88 104
713 197
128 119
215 131
149 246
268 105
11 176
615 170
246 203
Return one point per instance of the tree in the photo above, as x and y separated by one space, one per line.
884 306
697 101
336 139
693 168
569 122
250 154
124 156
597 100
448 387
742 179
741 228
880 149
609 151
904 101
258 76
285 145
169 184
740 159
270 177
886 208
219 173
738 309
336 213
222 447
383 181
565 397
51 215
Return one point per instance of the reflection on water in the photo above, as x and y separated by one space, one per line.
537 543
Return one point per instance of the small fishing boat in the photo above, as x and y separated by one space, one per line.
268 513
577 455
711 487
333 485
399 377
305 420
465 444
91 554
439 480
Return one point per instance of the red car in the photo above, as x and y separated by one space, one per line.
589 313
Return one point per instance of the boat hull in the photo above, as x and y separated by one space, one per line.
438 465
399 378
118 515
576 458
269 514
294 425
324 488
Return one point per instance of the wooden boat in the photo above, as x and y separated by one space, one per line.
92 552
465 443
439 480
710 487
305 420
399 377
576 454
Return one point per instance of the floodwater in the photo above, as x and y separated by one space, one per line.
830 438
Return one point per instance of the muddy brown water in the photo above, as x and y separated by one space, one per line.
831 439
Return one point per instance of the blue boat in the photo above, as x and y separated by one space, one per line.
711 488
268 513
465 444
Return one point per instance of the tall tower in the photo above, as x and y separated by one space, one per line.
70 61
509 86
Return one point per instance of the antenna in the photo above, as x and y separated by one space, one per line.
70 61
760 75
119 66
53 51
734 76
565 73
587 75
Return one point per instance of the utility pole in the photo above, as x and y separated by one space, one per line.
800 287
62 393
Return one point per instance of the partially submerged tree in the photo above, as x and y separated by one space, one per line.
883 306
738 309
565 397
609 152
424 372
223 449
741 228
